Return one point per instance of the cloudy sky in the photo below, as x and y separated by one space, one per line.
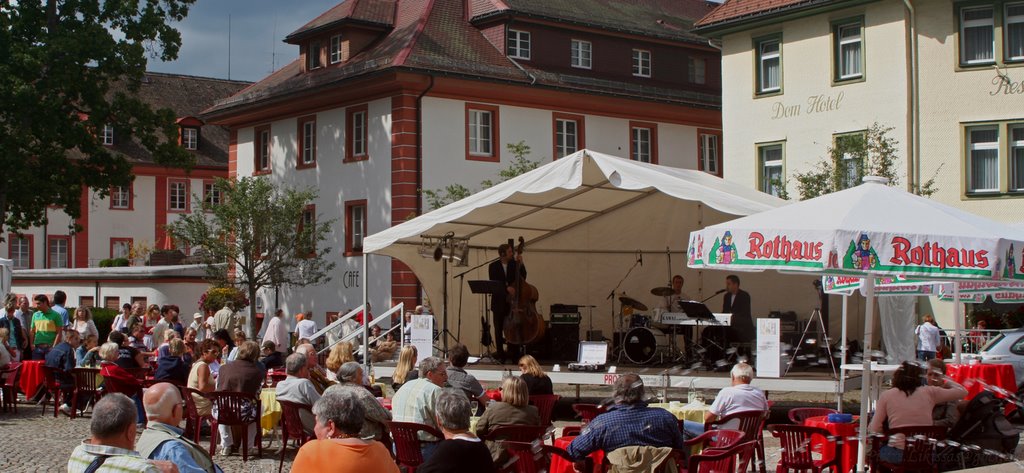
255 45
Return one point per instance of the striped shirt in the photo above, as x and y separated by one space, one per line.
414 402
119 460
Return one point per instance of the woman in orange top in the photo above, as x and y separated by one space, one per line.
338 448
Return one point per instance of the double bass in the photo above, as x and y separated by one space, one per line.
524 324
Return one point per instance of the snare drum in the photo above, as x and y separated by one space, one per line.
639 320
643 344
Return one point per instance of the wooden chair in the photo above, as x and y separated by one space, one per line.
86 387
535 457
796 449
52 386
236 409
193 421
797 415
407 443
545 404
719 461
919 454
715 439
9 389
291 426
587 412
751 423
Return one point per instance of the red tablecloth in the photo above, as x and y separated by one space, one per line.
384 402
996 374
494 394
561 465
827 448
32 377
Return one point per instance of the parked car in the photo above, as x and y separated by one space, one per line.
1007 347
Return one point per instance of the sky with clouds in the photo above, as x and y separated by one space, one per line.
257 30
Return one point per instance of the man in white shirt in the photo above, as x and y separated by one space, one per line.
740 397
298 388
277 332
306 328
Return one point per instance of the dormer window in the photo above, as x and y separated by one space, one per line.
313 56
108 135
335 49
190 138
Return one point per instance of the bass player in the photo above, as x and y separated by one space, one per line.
504 269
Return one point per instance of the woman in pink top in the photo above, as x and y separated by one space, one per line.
908 403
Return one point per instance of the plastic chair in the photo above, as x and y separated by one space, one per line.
796 449
535 457
919 454
752 425
587 412
515 433
193 421
717 461
291 426
545 404
407 443
52 386
797 415
715 439
86 387
236 409
9 388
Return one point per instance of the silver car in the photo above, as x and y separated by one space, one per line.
1006 347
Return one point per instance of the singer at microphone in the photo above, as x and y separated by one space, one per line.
737 303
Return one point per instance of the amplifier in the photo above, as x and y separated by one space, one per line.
566 318
564 308
563 341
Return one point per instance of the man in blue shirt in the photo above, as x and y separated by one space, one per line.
59 299
628 423
163 440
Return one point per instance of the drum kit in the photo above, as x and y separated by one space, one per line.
648 339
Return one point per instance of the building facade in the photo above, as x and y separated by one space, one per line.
132 219
389 98
801 76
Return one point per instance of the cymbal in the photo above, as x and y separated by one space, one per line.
630 302
662 291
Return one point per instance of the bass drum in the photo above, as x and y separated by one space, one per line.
643 344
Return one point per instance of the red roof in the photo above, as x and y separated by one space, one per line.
380 12
736 9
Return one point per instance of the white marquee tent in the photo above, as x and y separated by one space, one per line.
586 218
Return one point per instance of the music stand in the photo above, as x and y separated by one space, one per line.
488 288
696 310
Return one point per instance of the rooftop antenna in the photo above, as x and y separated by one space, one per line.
229 46
273 48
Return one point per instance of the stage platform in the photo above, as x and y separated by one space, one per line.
660 377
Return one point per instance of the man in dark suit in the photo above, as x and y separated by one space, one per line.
737 303
504 269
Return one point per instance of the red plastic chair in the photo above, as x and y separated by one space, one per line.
139 373
407 442
796 449
715 439
751 424
797 415
86 387
720 461
291 426
545 404
9 388
52 386
194 421
587 412
535 457
515 433
919 454
236 409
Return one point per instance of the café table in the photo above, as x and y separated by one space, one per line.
561 465
493 394
692 412
842 430
271 414
994 374
32 377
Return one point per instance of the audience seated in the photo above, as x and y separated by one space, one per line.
338 447
127 355
164 440
740 397
201 377
513 409
297 388
62 357
350 376
536 380
460 451
272 359
945 414
172 367
340 354
458 378
87 354
415 401
317 374
242 375
117 379
405 370
112 444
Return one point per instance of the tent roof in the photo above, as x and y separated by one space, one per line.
563 194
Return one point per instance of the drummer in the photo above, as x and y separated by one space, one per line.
669 302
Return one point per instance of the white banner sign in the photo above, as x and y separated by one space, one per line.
769 348
422 335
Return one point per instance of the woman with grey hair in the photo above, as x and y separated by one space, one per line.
350 376
460 451
339 446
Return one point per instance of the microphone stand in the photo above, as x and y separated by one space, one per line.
611 295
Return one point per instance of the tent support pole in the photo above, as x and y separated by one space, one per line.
842 360
958 323
865 381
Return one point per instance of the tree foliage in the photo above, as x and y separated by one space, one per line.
258 231
438 198
70 67
852 156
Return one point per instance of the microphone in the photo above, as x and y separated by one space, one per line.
720 291
640 256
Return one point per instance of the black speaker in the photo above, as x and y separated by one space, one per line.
564 340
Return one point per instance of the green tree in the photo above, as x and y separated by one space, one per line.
69 68
852 156
260 232
438 198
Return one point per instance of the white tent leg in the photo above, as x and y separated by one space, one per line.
366 322
865 385
958 324
842 360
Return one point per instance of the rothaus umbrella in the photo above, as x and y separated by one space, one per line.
868 231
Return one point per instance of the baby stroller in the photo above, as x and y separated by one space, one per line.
983 427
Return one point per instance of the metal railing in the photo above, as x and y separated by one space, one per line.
364 334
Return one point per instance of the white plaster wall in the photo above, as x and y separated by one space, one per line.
184 294
139 224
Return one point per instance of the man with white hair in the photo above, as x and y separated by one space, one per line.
163 440
740 397
415 400
296 388
317 375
